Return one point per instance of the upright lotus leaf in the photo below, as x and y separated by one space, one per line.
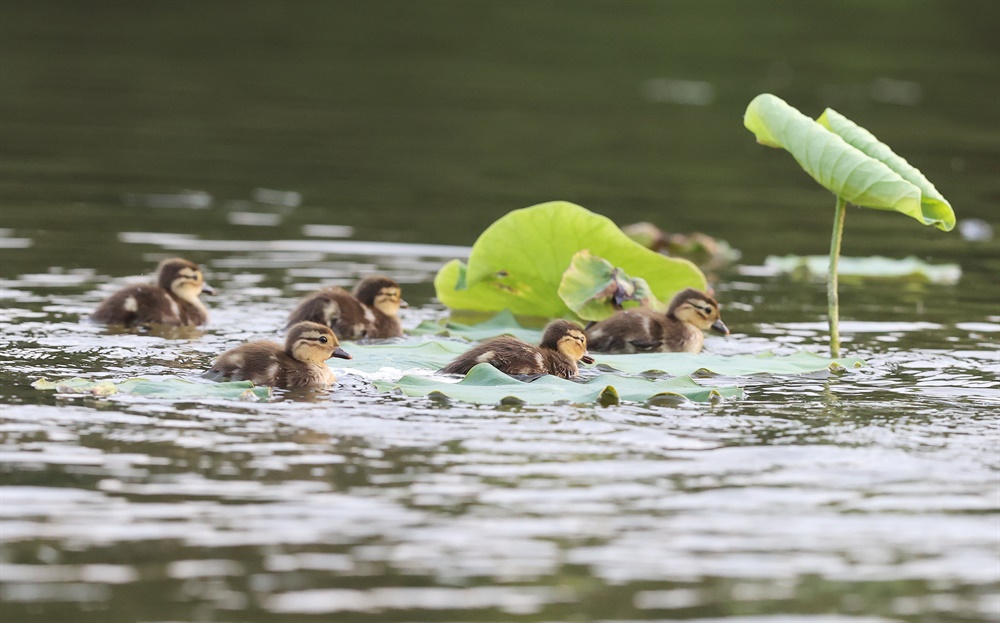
519 261
870 180
850 162
934 208
594 288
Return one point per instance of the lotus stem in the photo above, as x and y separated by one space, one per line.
833 300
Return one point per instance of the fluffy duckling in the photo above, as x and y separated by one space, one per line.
563 345
172 300
370 311
300 363
642 330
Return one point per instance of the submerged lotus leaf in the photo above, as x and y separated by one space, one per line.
875 267
802 362
867 174
169 388
503 323
519 261
484 384
434 355
594 288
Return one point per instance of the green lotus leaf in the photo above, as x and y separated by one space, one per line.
594 288
519 261
169 388
875 267
802 362
935 209
434 355
484 384
503 323
846 170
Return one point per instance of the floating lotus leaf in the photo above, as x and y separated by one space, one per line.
484 384
500 324
735 365
848 161
422 355
519 261
875 267
594 288
169 388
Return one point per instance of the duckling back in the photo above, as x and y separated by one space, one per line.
336 308
147 304
349 317
639 330
300 363
507 354
173 300
563 344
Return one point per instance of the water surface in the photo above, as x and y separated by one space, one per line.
288 145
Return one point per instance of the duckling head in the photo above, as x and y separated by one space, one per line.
183 278
382 293
311 342
699 309
567 338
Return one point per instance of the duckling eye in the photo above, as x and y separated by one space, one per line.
323 339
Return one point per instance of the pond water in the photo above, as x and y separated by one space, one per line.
288 145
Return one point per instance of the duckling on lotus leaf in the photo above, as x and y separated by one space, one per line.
643 330
300 363
563 344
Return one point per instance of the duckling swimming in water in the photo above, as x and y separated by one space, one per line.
172 300
642 330
370 311
300 363
563 345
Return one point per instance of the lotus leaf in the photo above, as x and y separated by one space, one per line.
519 261
169 388
424 355
500 324
486 385
872 267
594 288
848 161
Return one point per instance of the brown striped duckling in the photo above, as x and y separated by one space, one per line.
563 345
370 311
172 300
642 330
300 363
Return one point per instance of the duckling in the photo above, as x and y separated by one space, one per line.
642 330
300 363
370 311
173 300
563 344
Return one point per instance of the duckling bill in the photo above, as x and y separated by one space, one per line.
300 363
370 311
642 330
563 345
172 300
